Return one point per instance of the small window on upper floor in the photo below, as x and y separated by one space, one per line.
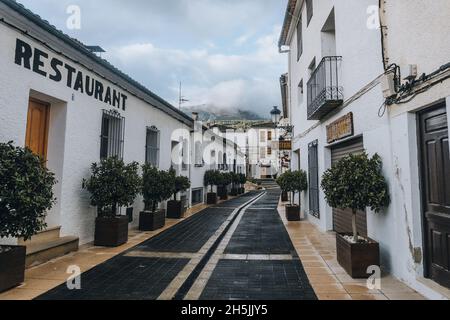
262 135
309 10
299 39
300 93
269 135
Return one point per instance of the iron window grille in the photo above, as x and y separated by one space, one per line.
152 147
313 168
112 135
324 89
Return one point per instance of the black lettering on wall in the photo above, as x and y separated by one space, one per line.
55 64
124 101
89 86
108 96
116 98
79 82
38 63
24 52
70 72
98 90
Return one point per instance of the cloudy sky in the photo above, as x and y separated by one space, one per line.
224 51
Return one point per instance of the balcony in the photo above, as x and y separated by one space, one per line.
324 90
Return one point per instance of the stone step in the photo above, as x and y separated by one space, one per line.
42 237
39 253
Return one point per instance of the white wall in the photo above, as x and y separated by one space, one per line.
74 138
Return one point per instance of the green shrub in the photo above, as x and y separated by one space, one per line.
293 182
113 184
181 183
157 186
26 192
211 178
356 182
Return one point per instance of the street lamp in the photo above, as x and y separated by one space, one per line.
275 114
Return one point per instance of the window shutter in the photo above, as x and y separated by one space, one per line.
313 166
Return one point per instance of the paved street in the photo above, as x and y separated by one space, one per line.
238 249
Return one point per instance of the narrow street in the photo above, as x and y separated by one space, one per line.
238 249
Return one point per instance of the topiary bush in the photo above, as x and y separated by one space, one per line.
356 182
157 186
26 192
113 184
293 182
181 183
211 179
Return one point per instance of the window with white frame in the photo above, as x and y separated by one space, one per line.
152 147
198 154
112 135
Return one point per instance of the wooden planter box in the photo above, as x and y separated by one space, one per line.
149 221
223 193
111 232
12 267
284 197
234 192
175 210
211 198
355 258
293 213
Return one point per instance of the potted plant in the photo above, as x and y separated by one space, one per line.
356 182
284 194
157 186
224 180
210 179
242 181
175 208
113 184
26 194
235 179
293 182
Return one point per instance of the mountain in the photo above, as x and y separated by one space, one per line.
207 113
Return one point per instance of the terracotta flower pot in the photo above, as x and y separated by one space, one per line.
12 266
355 258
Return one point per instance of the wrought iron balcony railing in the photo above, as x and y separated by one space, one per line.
324 88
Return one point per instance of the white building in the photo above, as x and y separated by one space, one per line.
259 141
74 108
335 94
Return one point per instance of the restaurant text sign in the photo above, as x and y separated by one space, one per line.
340 129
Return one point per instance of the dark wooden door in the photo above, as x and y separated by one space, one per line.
342 219
435 163
37 128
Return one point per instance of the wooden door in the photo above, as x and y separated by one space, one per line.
342 219
435 164
37 128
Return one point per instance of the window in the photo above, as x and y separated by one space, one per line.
299 40
262 152
112 135
269 151
198 154
269 135
197 196
184 155
300 92
309 10
313 168
262 135
152 147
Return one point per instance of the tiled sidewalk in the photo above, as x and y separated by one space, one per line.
45 277
317 250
